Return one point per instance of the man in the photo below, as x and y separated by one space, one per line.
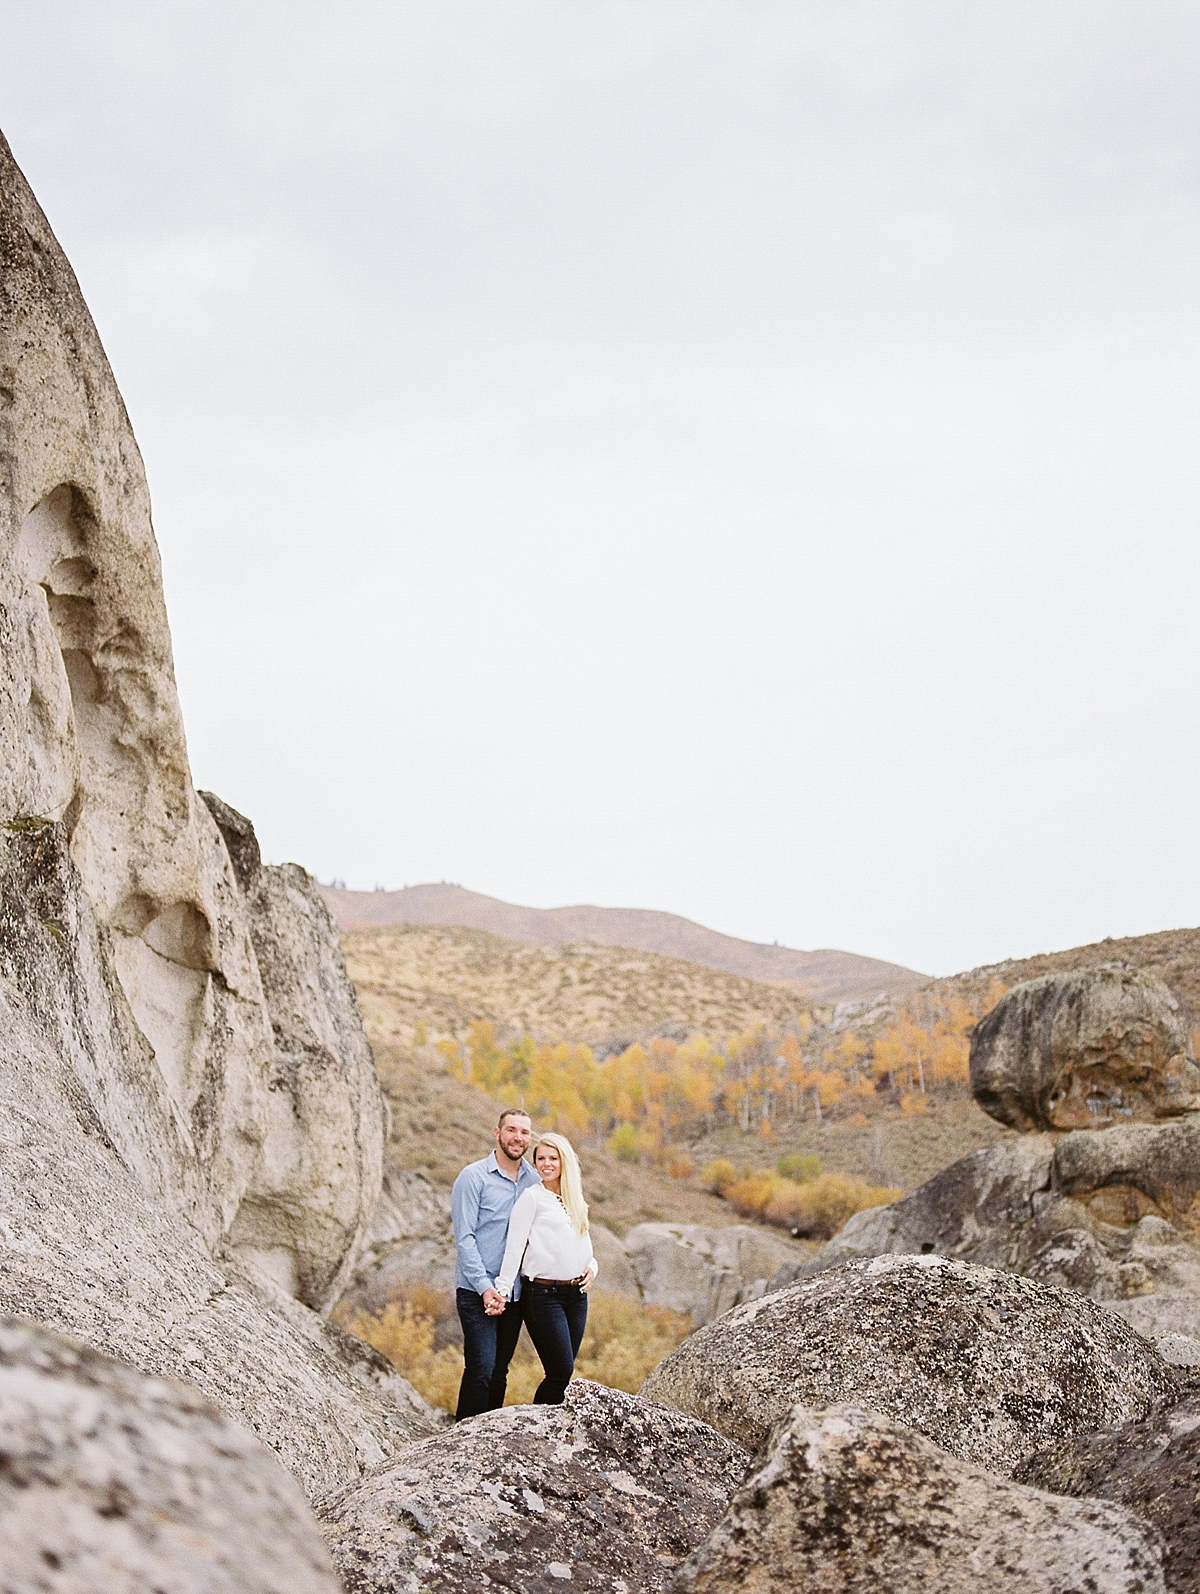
480 1204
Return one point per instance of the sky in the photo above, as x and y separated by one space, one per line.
732 458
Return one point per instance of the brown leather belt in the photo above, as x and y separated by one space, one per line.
579 1280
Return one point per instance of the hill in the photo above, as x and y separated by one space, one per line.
826 976
447 978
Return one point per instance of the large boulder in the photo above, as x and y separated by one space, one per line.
605 1492
987 1365
848 1503
1084 1050
701 1271
1152 1467
977 1209
111 1480
190 1130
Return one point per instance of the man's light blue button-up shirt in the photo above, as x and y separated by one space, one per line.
481 1204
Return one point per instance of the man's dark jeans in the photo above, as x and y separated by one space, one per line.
488 1345
556 1316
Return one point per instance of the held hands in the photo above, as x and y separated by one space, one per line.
493 1302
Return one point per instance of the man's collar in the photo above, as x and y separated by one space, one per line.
495 1162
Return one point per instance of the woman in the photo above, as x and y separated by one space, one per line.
548 1241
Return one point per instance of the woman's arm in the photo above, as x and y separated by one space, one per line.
590 1271
519 1225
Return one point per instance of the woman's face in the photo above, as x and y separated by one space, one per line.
548 1163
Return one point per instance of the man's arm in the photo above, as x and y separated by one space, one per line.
464 1210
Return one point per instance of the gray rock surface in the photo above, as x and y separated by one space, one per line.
1151 1467
848 1503
703 1271
1083 1212
987 1365
189 1129
114 1481
1084 1050
605 1492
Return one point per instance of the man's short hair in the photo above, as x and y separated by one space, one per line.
512 1112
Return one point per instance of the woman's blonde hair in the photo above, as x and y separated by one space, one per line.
572 1180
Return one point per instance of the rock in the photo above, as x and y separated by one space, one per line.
976 1209
190 1130
1152 1467
305 1217
1160 1160
117 1481
1179 1350
702 1271
616 1276
987 1365
605 1492
847 1501
1084 1050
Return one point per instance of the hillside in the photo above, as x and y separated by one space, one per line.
448 977
826 976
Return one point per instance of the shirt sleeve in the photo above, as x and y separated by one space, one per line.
519 1226
464 1210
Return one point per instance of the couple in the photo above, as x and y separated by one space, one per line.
523 1255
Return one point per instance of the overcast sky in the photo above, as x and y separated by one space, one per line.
736 458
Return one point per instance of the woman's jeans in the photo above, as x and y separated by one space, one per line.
488 1345
555 1315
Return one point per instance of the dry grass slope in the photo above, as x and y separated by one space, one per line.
445 977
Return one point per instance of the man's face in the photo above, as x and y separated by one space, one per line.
513 1137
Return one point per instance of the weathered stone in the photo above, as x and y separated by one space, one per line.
988 1365
170 1133
1160 1160
114 1481
703 1271
237 833
306 1214
1084 1050
848 1503
1152 1467
976 1209
605 1492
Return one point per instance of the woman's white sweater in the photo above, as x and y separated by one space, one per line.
543 1243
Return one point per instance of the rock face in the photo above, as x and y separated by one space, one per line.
846 1501
703 1271
190 1130
116 1481
1084 1050
1152 1467
1088 1212
989 1366
605 1492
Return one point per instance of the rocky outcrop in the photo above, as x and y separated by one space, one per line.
848 1503
111 1480
987 1365
703 1271
191 1132
1151 1467
605 1492
1083 1050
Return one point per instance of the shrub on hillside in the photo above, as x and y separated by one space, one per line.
418 1332
816 1209
801 1166
625 1143
719 1175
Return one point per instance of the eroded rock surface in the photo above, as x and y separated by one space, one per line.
987 1365
605 1492
848 1503
190 1132
1083 1050
114 1481
703 1271
1152 1467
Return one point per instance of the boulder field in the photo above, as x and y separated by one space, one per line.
191 1138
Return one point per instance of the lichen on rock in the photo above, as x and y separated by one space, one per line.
988 1365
